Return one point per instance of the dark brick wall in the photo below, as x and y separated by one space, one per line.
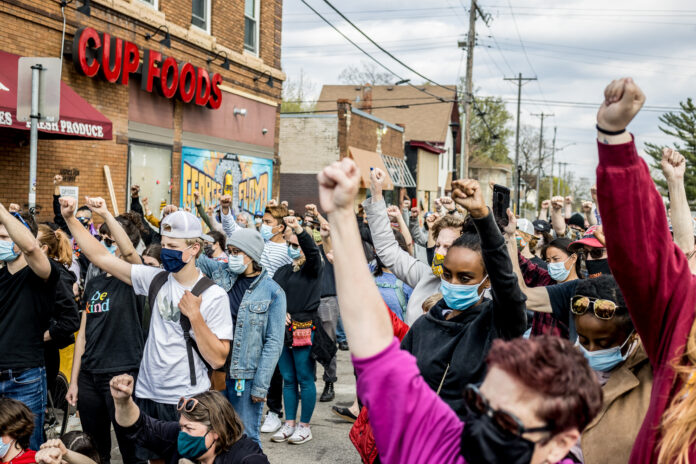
299 190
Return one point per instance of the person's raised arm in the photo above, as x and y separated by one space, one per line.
673 167
654 278
91 247
313 264
135 200
419 238
26 242
125 246
508 300
227 219
568 202
544 211
395 215
365 319
126 411
557 220
325 232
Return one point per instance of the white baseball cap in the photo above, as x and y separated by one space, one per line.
182 224
525 226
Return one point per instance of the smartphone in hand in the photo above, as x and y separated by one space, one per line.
501 203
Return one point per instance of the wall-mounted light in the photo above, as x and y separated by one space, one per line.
240 111
264 131
84 9
166 41
225 64
269 82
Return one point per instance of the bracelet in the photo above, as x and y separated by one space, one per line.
606 132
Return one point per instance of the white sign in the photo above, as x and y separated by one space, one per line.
49 87
70 191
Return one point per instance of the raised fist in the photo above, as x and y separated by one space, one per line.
339 184
377 179
325 230
67 206
226 200
448 203
406 204
311 209
97 205
135 191
284 203
169 209
121 387
293 223
467 194
393 212
432 218
271 202
587 206
196 196
545 204
673 164
57 179
557 202
623 99
568 200
593 192
14 208
414 212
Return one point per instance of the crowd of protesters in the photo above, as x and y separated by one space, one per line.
566 338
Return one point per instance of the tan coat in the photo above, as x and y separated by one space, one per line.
610 436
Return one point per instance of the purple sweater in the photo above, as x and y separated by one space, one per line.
410 422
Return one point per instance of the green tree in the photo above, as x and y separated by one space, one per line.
682 126
489 139
296 95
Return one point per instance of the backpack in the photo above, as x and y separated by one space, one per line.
201 286
399 290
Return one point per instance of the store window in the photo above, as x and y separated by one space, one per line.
152 3
251 26
150 167
200 14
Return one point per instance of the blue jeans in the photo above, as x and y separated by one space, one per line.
297 368
29 387
248 411
340 333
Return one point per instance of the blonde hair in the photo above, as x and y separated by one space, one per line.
679 419
59 247
193 241
431 301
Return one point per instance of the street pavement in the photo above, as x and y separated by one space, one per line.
330 442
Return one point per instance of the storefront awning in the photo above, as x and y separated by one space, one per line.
366 160
77 117
399 172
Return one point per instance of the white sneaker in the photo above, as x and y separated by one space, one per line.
283 434
271 423
302 434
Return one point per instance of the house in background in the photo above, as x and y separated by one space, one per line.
309 142
430 118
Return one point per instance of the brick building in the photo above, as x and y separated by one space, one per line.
309 142
167 146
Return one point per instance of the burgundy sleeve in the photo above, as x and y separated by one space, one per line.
534 276
651 271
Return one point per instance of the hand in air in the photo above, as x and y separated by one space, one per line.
339 184
467 194
623 99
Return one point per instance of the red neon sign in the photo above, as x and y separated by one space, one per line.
114 58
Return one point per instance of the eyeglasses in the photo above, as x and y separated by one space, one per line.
506 422
187 404
595 253
603 309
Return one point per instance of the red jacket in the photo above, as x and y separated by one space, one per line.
653 274
27 457
361 432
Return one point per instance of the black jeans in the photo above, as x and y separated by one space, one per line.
96 407
274 399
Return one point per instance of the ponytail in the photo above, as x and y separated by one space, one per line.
59 247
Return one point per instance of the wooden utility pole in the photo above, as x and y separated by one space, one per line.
516 171
468 86
542 115
553 155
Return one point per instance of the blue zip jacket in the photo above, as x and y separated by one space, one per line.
260 328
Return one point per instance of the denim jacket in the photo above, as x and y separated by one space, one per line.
260 327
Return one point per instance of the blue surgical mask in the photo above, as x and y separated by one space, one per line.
294 253
236 264
7 252
172 260
605 360
460 297
112 248
191 447
257 221
558 271
5 448
266 232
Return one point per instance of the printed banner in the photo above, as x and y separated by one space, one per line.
246 178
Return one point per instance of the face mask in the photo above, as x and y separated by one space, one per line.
208 250
316 235
172 260
112 248
558 271
521 243
460 297
7 252
236 264
190 447
482 442
266 232
598 266
436 265
294 253
5 448
604 360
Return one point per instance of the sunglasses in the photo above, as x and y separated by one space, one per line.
187 404
595 253
506 422
294 246
108 242
603 309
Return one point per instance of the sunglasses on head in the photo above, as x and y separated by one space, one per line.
187 404
506 422
603 309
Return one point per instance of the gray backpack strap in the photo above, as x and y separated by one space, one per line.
155 286
201 286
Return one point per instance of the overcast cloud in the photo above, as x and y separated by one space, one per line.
574 48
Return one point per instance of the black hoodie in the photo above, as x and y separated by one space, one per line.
463 341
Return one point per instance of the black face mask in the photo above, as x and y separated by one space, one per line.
483 443
598 266
208 251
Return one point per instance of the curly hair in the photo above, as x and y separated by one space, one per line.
448 221
556 370
16 421
606 288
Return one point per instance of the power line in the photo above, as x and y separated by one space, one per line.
404 106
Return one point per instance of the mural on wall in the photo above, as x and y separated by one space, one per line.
246 178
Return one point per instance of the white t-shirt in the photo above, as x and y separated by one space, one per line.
164 372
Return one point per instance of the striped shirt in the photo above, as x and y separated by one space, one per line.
275 255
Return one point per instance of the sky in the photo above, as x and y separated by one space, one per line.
573 48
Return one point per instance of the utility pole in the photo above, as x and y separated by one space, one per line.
542 115
468 86
553 156
516 180
561 175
